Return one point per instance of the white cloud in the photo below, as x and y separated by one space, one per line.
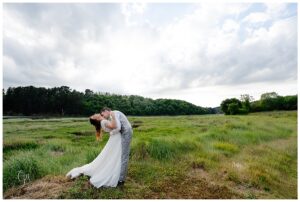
276 10
131 10
230 26
115 48
256 17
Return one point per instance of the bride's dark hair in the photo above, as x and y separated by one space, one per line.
96 123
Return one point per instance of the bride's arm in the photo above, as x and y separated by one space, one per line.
114 123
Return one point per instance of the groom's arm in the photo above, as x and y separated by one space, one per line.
114 123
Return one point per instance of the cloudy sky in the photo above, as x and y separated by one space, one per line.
200 53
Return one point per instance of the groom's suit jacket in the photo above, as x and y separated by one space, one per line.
122 122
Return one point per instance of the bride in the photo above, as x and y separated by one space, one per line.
105 169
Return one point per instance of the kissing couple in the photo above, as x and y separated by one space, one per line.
109 168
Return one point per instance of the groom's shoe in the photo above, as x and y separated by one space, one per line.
121 183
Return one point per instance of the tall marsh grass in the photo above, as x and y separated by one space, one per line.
257 152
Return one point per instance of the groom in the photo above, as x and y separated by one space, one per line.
119 120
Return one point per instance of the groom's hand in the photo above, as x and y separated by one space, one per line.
112 123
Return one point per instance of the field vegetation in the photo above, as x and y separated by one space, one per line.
195 156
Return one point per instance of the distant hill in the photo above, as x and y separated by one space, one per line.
217 110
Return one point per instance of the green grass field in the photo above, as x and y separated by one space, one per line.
208 156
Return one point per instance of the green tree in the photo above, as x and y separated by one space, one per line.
269 101
246 99
225 105
233 108
62 101
268 95
290 102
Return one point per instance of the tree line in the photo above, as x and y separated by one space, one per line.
268 102
63 101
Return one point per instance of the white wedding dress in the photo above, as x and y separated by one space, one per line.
105 169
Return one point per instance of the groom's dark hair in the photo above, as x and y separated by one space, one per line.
105 108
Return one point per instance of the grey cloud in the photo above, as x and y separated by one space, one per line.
64 23
241 64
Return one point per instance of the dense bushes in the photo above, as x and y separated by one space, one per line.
268 102
62 100
231 106
273 101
